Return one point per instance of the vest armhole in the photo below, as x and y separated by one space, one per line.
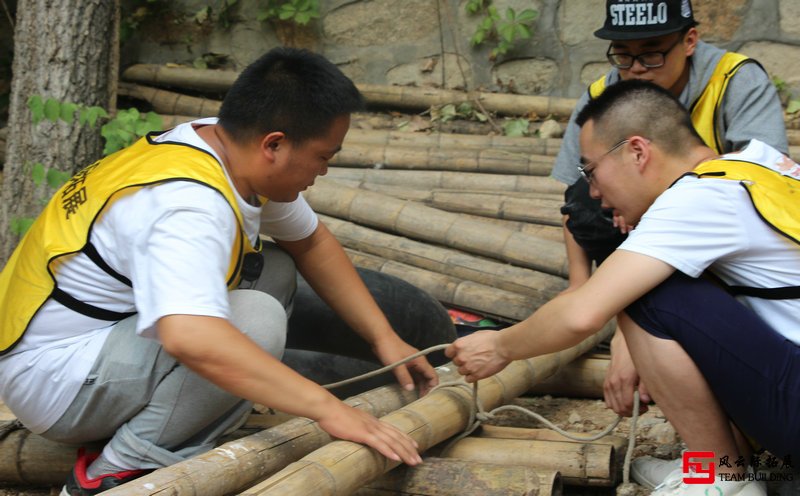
91 252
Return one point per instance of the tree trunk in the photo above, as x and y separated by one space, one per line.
66 50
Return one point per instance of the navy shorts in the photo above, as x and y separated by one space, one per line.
752 369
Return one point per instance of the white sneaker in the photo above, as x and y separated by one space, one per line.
649 472
673 485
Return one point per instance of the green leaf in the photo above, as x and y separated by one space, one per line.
154 120
37 173
302 18
56 178
510 14
516 127
20 225
68 112
523 32
36 106
506 32
481 116
95 113
793 106
52 109
264 14
527 15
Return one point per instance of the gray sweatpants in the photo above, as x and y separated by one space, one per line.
155 411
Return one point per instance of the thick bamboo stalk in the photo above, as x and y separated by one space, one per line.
450 477
450 159
531 145
432 196
169 102
27 458
341 467
451 180
417 98
181 77
425 223
551 233
380 95
504 432
239 464
583 378
540 287
469 295
533 210
580 464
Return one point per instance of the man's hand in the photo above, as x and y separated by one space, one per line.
619 223
351 424
417 372
477 356
622 380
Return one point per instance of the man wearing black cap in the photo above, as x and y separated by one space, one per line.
731 101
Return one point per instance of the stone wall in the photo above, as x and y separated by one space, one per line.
426 42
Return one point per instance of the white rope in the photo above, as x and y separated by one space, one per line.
477 414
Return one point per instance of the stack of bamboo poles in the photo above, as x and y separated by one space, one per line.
473 219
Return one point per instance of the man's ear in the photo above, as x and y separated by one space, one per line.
690 40
641 150
272 143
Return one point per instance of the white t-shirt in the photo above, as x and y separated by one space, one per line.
712 223
173 241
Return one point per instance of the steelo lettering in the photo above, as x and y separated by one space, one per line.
638 14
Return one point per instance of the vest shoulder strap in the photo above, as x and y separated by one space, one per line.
705 111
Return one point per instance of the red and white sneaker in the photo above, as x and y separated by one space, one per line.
78 484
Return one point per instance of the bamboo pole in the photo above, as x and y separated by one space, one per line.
432 196
414 98
451 180
28 458
450 290
619 443
450 159
534 210
531 145
403 97
421 222
580 464
169 102
238 464
341 467
540 287
583 378
450 477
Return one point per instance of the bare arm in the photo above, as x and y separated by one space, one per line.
326 267
565 320
219 352
580 267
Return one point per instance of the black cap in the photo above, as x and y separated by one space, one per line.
639 19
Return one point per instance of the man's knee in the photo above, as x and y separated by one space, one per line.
261 317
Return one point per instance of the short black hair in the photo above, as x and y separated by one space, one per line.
295 91
636 107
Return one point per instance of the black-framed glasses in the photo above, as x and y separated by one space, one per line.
649 60
588 173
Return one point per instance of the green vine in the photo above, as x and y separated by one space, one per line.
505 30
300 12
122 130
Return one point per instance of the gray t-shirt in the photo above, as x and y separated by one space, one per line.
751 109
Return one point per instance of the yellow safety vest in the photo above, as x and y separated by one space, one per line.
776 198
64 227
705 110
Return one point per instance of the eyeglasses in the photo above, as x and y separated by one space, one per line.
649 60
588 173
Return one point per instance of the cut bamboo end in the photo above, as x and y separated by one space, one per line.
580 464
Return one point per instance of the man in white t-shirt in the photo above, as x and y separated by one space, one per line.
706 288
123 317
